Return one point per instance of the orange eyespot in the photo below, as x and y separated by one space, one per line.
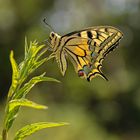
80 73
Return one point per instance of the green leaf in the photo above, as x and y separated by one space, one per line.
34 48
38 49
14 107
14 67
37 64
26 48
24 102
22 93
15 74
32 128
10 117
28 86
41 53
30 63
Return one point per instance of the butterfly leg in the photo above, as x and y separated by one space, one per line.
47 44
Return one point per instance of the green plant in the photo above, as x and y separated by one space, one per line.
20 87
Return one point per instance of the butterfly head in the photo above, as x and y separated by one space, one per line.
54 39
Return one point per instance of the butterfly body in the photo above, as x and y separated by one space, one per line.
86 49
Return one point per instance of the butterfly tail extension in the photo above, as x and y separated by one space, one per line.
103 76
95 73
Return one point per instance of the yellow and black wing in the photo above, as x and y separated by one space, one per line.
88 48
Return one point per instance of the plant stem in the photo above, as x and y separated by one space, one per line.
4 134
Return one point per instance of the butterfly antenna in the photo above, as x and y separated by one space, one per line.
50 27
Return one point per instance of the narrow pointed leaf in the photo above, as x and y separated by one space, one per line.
26 48
41 53
34 48
28 86
37 64
14 106
15 74
29 64
38 48
32 128
22 93
14 64
24 102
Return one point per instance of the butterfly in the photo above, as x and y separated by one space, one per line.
86 49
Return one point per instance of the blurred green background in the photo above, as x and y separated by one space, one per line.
98 110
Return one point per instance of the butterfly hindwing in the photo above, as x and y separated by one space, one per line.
61 60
